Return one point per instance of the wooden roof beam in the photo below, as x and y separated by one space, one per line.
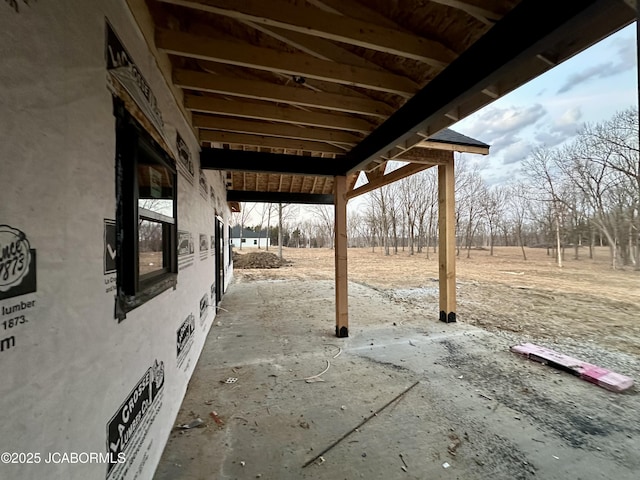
318 23
279 197
263 162
237 87
391 177
233 53
275 114
316 47
209 122
452 147
487 12
264 141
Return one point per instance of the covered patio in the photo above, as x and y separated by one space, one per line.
481 410
295 100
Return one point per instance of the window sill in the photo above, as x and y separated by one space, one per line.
126 303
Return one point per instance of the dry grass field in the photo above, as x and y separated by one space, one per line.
585 300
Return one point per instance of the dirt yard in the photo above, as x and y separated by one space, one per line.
583 301
477 412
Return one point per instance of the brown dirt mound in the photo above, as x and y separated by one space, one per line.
257 260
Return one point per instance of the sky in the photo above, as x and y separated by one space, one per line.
549 110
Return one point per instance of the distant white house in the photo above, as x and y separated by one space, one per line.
249 238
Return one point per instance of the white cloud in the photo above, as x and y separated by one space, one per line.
562 129
496 122
516 152
626 60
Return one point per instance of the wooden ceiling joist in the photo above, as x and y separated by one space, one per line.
209 122
486 11
315 22
238 87
316 47
264 162
279 197
243 55
264 141
275 114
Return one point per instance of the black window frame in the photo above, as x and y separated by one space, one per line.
134 143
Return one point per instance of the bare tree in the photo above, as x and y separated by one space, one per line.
541 167
243 216
492 205
324 216
517 200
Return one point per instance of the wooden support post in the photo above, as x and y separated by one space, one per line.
342 304
447 241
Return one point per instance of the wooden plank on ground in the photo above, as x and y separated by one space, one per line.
591 373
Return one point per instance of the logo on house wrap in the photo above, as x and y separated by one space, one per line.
128 428
17 263
185 164
185 249
204 185
204 246
185 338
204 306
125 74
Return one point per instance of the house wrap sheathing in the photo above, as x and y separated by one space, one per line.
91 385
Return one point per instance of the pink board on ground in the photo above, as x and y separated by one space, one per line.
591 373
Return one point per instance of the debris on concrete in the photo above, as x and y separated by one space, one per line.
231 380
355 429
403 468
216 418
591 373
257 260
455 443
242 464
445 465
403 462
313 380
313 377
198 422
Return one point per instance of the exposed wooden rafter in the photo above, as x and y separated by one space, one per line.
315 22
243 55
387 179
263 162
279 197
209 122
257 90
275 114
271 142
450 147
486 11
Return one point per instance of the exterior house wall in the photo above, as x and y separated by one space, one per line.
75 380
250 242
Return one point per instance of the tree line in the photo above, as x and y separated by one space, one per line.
583 194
